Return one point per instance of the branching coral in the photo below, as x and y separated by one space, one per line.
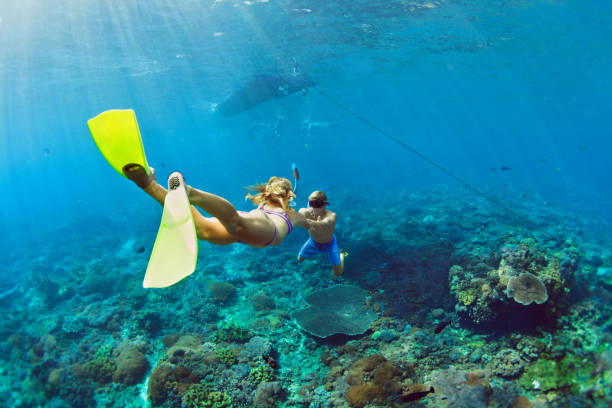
226 356
202 396
232 333
261 373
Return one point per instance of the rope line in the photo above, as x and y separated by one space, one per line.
427 159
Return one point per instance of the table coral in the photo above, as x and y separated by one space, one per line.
527 288
338 309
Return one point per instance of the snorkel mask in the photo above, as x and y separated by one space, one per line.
316 203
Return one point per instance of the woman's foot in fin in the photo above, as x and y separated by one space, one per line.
175 180
138 174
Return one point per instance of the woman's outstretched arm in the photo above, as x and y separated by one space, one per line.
301 220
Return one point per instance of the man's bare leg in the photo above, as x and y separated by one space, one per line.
339 269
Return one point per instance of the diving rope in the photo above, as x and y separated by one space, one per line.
427 159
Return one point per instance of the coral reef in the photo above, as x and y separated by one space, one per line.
508 364
132 365
201 396
520 284
372 378
261 373
455 300
231 332
268 394
220 292
262 302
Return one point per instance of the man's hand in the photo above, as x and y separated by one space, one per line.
314 226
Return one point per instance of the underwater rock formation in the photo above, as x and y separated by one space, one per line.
336 310
520 284
457 388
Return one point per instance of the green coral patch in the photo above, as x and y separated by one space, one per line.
570 373
201 396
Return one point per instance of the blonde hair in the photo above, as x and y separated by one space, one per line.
277 190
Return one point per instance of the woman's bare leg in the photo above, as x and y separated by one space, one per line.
156 191
252 230
207 229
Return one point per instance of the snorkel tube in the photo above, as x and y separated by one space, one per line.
296 177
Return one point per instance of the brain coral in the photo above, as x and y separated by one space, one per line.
220 291
132 366
527 288
338 309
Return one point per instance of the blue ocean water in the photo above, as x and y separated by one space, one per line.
474 86
512 97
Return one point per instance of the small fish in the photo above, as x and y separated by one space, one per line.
581 147
543 160
417 392
271 362
504 168
441 326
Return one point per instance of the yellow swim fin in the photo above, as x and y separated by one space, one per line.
117 136
175 251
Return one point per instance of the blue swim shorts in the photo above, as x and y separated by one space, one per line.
330 249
